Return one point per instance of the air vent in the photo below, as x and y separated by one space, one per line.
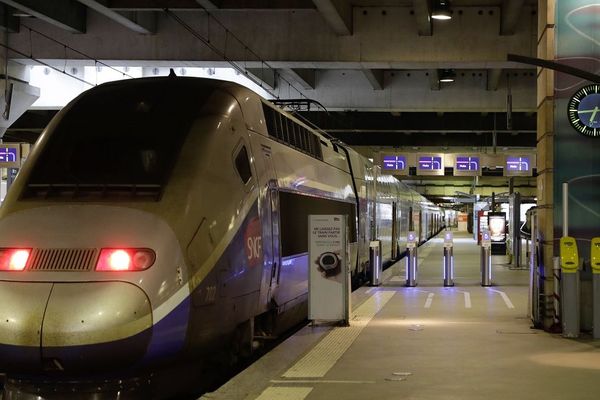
75 260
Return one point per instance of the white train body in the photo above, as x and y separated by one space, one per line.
212 181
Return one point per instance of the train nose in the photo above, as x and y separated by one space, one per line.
89 326
22 308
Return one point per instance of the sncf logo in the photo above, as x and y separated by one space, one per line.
253 243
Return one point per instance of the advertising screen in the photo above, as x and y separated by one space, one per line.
497 226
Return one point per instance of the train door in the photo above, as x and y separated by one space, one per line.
270 229
394 230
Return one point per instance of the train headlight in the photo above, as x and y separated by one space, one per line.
125 259
14 259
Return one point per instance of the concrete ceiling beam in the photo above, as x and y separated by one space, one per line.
493 78
306 77
337 14
266 77
375 78
69 15
509 16
195 5
140 22
7 20
422 9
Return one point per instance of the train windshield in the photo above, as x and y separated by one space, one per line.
118 140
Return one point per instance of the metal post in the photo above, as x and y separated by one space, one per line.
375 262
448 267
486 259
411 267
448 260
411 259
569 263
565 199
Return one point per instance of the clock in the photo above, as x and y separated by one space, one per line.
584 110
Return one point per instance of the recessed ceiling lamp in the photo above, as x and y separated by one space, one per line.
446 75
441 10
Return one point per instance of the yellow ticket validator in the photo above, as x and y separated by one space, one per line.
569 256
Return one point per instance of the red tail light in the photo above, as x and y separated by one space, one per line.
125 259
14 259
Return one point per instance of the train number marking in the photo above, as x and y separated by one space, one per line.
211 292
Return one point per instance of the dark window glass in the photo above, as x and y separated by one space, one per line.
242 164
122 134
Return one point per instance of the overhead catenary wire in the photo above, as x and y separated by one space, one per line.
66 46
46 64
241 69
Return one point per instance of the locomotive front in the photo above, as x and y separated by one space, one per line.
93 268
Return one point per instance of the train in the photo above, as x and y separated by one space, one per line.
164 219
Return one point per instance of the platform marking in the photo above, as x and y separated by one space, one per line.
507 301
467 298
317 362
285 393
429 300
313 381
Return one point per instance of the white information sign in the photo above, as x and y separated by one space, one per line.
329 275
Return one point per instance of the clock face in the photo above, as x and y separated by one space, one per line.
584 110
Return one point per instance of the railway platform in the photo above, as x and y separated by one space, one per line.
428 342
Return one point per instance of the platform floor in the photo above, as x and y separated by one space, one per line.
428 342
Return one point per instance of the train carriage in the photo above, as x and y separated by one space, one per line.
158 219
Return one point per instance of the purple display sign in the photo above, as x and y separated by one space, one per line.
8 155
394 163
467 163
518 166
430 163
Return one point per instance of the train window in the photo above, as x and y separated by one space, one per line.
242 165
118 140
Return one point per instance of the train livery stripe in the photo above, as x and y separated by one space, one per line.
328 351
172 302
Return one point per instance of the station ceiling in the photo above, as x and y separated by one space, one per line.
374 64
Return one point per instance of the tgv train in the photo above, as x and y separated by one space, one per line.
161 219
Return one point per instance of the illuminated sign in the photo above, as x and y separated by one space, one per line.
497 227
518 166
394 164
10 155
430 164
467 166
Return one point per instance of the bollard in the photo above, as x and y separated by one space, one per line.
595 264
569 264
411 260
448 266
486 259
375 262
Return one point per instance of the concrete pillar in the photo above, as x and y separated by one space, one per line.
545 140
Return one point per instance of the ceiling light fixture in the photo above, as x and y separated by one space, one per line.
441 10
446 75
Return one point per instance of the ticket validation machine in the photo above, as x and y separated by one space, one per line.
448 265
411 259
595 264
569 265
486 259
